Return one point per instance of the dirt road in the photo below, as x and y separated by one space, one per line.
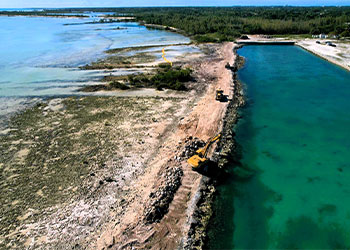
158 217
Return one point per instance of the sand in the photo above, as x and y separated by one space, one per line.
339 55
131 154
204 120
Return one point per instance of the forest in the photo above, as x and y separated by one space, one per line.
206 24
215 24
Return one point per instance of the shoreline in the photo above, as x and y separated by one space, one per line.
338 56
169 199
197 237
199 207
113 137
50 16
201 216
161 152
203 121
327 58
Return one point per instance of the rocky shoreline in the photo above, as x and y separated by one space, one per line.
197 234
156 188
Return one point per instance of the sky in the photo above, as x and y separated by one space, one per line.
143 3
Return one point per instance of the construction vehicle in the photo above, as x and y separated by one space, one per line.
219 95
200 158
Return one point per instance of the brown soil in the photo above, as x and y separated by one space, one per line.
124 182
131 230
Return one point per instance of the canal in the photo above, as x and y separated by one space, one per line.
294 136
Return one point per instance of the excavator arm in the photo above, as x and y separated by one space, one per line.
201 154
203 151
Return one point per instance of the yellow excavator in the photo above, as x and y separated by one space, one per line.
219 95
200 158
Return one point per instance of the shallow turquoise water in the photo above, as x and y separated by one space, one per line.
295 135
39 56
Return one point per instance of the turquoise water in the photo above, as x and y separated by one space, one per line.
295 135
39 56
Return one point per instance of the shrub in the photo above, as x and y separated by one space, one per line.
164 66
346 33
165 78
171 76
118 85
205 39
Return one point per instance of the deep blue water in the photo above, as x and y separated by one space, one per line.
295 137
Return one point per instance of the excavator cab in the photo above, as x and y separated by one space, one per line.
196 161
219 95
200 158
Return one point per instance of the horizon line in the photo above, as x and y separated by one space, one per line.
174 6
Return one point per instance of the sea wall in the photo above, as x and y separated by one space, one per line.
324 57
224 153
266 42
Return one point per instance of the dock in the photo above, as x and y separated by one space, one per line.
247 42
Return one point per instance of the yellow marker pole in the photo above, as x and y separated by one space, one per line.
163 51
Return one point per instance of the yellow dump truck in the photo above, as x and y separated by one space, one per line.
219 95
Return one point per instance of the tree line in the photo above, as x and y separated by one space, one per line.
227 23
207 24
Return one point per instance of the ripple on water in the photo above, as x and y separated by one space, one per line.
295 133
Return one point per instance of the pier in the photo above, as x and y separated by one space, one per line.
245 42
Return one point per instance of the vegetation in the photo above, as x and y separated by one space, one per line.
105 87
39 13
211 24
227 23
52 158
166 77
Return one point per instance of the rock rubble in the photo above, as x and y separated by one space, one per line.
160 200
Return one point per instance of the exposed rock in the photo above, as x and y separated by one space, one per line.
160 200
227 147
191 146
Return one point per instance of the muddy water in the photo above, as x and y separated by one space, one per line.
295 136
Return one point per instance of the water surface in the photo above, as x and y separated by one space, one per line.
40 56
295 135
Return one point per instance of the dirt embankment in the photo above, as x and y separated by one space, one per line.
110 171
159 217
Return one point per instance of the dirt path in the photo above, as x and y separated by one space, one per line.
157 217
